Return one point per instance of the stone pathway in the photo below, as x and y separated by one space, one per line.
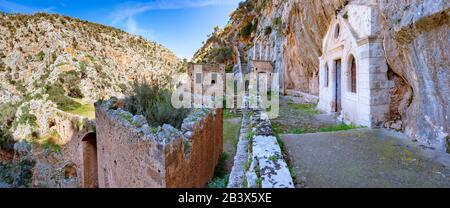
297 114
365 158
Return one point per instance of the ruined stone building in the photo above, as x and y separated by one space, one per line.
264 71
353 71
205 78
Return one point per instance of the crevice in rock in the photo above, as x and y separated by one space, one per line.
401 95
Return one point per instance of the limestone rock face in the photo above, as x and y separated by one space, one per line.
416 37
295 42
416 42
307 23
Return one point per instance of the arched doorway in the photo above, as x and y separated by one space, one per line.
90 164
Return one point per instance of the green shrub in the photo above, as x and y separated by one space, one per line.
75 92
40 56
19 86
273 158
268 30
6 140
220 170
247 30
154 103
222 54
220 174
71 79
345 16
229 68
26 117
218 183
50 142
83 70
56 94
278 24
54 57
247 165
7 113
17 174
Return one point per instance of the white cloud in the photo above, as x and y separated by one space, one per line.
125 13
133 28
19 8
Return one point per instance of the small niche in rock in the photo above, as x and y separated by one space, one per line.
51 123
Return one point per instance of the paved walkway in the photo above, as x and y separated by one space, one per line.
365 158
297 114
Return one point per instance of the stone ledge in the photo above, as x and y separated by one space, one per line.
267 169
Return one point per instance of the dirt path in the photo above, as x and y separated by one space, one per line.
365 159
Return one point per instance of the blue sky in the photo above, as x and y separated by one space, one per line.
180 25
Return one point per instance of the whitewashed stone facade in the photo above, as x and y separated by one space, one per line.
355 33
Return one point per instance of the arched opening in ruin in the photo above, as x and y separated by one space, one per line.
90 163
352 76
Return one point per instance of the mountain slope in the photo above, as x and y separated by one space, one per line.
68 61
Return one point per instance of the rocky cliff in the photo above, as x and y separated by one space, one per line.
60 59
52 69
417 41
416 38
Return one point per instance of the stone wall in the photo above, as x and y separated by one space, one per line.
148 157
196 168
126 158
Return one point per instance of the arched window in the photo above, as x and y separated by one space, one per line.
352 74
213 79
337 31
326 75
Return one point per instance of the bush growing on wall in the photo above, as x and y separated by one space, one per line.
248 29
154 103
278 25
